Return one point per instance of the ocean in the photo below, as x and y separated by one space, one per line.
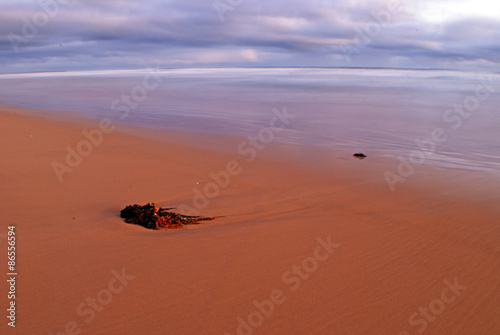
450 118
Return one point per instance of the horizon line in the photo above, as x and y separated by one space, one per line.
243 67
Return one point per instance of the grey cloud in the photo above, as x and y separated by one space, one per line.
97 34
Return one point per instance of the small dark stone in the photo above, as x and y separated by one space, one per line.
359 155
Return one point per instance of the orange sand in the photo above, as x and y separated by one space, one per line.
396 249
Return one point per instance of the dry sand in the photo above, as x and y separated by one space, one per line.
395 250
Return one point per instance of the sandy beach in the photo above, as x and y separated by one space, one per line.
312 240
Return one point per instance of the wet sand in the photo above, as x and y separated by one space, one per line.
312 241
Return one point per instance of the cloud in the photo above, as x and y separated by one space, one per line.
94 34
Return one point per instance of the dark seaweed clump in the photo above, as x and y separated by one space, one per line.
153 217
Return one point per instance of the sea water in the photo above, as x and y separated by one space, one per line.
389 111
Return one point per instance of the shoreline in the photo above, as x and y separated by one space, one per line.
439 147
396 249
427 177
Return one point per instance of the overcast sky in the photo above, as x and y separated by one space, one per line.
132 34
